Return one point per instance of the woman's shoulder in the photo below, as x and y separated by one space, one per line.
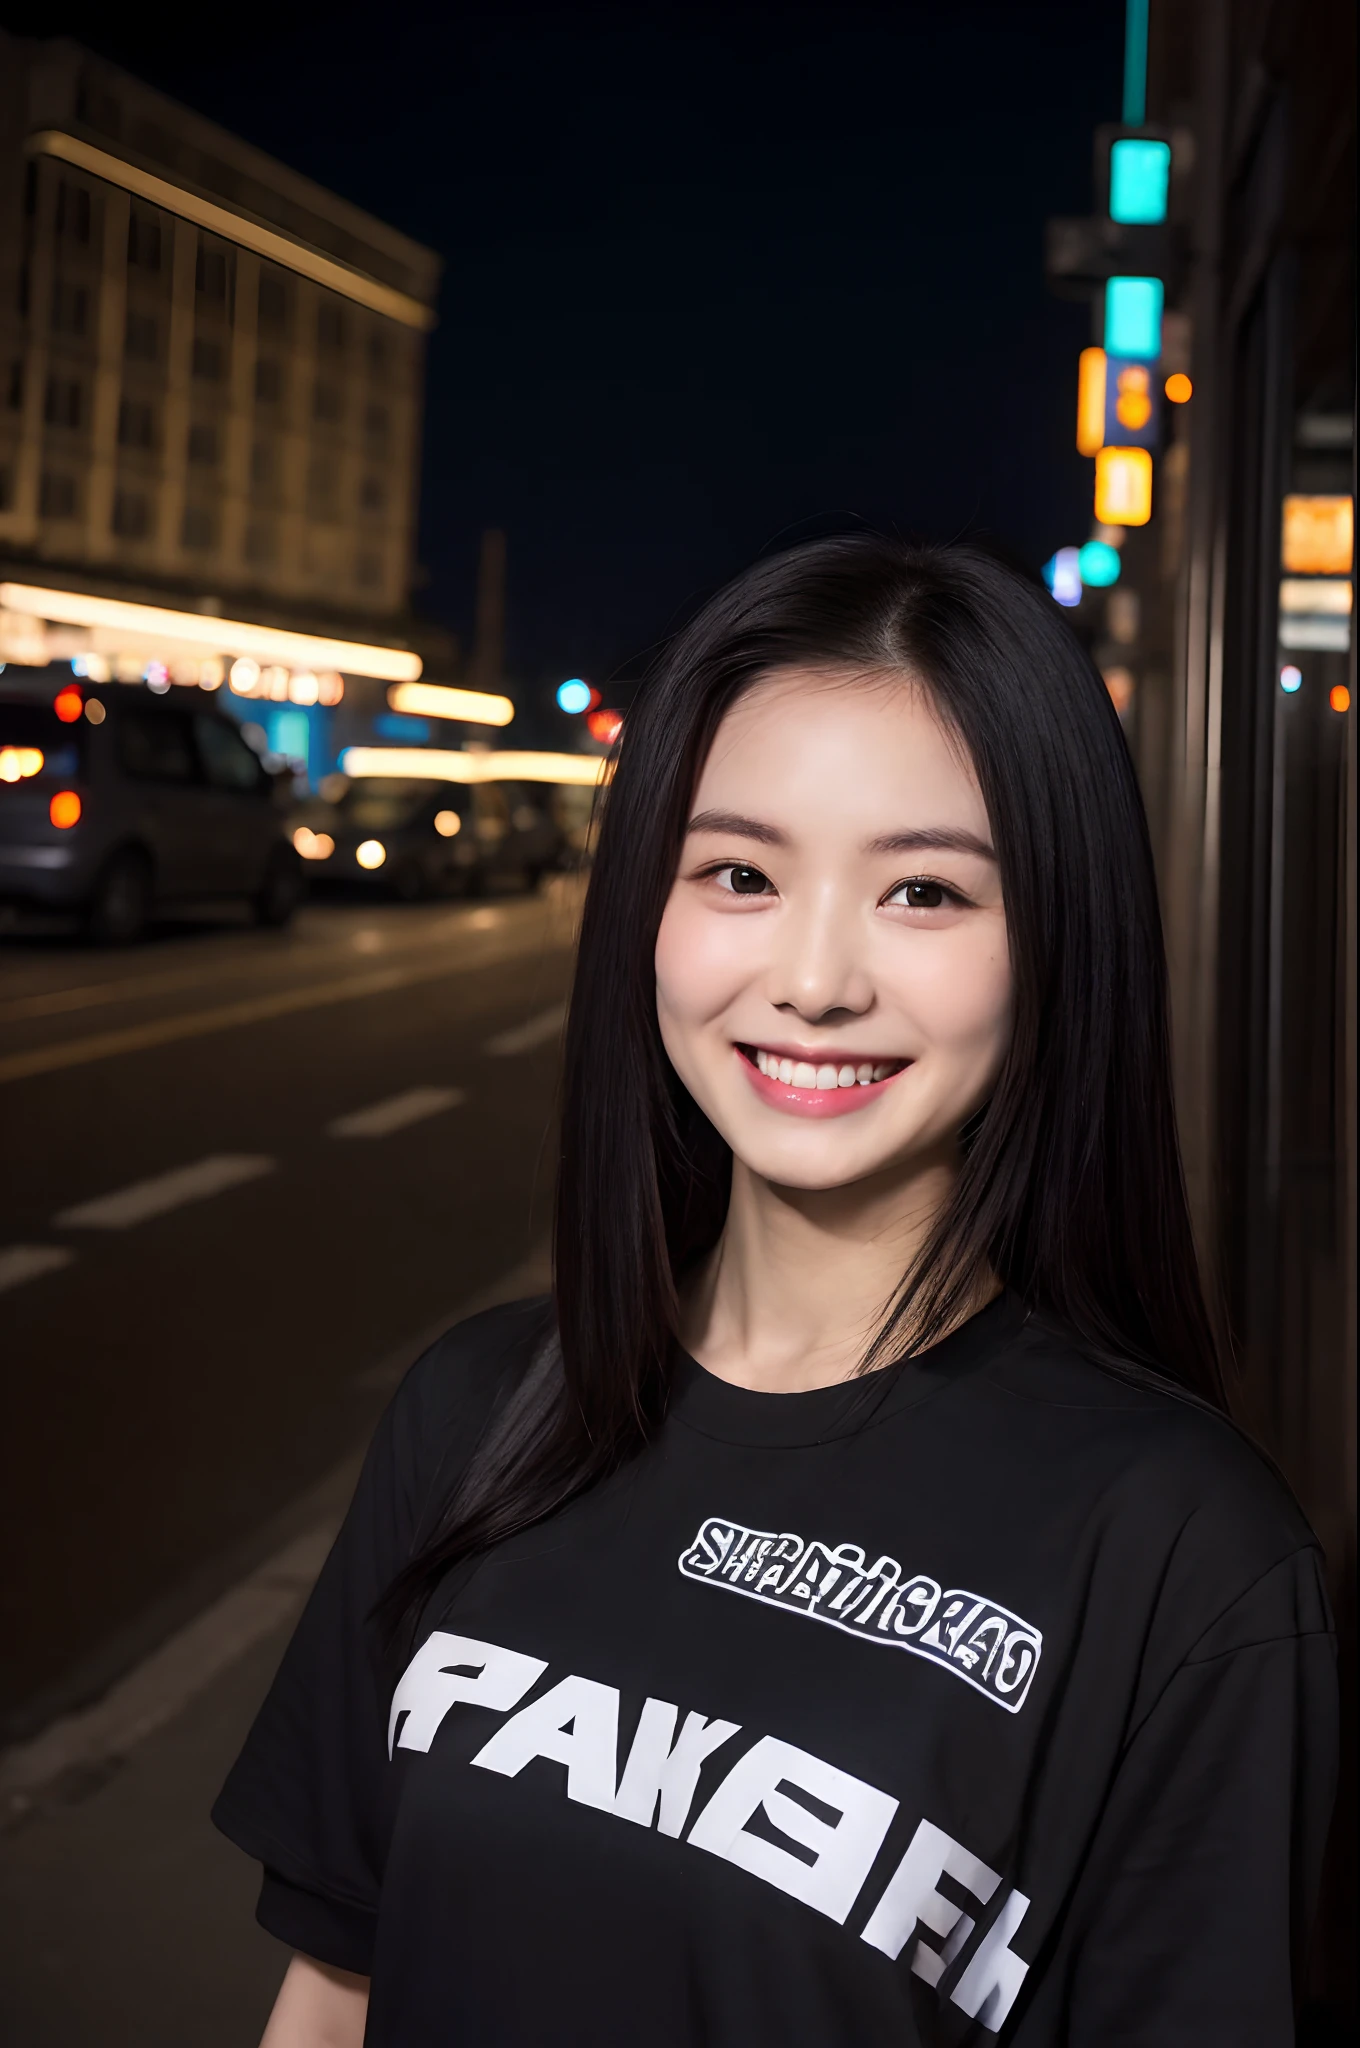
1159 1460
442 1406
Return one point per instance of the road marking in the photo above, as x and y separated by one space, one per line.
160 1687
524 1037
132 988
396 1113
103 1045
20 1262
148 1198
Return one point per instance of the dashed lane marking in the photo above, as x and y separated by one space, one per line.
148 1198
524 1037
102 1045
395 1113
20 1262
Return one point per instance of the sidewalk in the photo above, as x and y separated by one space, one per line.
126 1921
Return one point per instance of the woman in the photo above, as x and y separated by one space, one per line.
876 1306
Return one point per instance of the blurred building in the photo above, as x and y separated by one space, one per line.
211 378
1222 613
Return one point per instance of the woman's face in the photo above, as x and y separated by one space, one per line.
832 974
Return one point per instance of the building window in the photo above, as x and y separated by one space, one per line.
136 424
372 494
368 570
268 381
70 307
73 211
262 465
261 543
6 489
144 238
330 327
377 422
14 387
140 337
131 515
57 495
328 403
209 360
272 312
321 489
203 447
379 352
200 527
65 402
210 274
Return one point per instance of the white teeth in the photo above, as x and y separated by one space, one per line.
803 1074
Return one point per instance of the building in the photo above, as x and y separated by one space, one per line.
211 377
1227 641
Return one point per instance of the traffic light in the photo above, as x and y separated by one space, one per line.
1132 404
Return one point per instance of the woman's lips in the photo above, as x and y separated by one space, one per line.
841 1100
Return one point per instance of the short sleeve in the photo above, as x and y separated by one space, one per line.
310 1796
1188 1924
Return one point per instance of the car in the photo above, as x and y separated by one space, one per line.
411 837
117 806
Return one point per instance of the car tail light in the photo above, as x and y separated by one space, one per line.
64 809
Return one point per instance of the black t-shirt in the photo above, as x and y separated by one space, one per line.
986 1697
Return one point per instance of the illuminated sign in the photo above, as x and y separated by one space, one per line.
1140 175
114 621
1318 537
433 700
1123 487
1090 401
1133 317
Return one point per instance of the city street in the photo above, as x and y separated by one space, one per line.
247 1174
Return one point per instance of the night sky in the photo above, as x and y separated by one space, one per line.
715 277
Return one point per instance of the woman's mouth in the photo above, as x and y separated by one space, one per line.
825 1087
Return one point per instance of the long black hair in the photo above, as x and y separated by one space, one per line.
1071 1189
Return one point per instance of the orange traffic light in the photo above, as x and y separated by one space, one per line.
1133 397
1178 388
68 704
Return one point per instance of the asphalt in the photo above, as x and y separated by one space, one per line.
182 1365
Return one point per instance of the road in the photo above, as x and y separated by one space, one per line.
246 1172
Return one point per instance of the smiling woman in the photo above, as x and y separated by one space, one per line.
875 1304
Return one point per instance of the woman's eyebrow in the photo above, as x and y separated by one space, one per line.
733 824
928 839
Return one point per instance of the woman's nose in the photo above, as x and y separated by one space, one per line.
818 970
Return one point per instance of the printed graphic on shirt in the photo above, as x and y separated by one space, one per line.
755 1817
982 1643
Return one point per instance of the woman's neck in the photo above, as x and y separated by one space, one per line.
793 1291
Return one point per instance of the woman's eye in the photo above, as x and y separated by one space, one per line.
743 881
920 895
